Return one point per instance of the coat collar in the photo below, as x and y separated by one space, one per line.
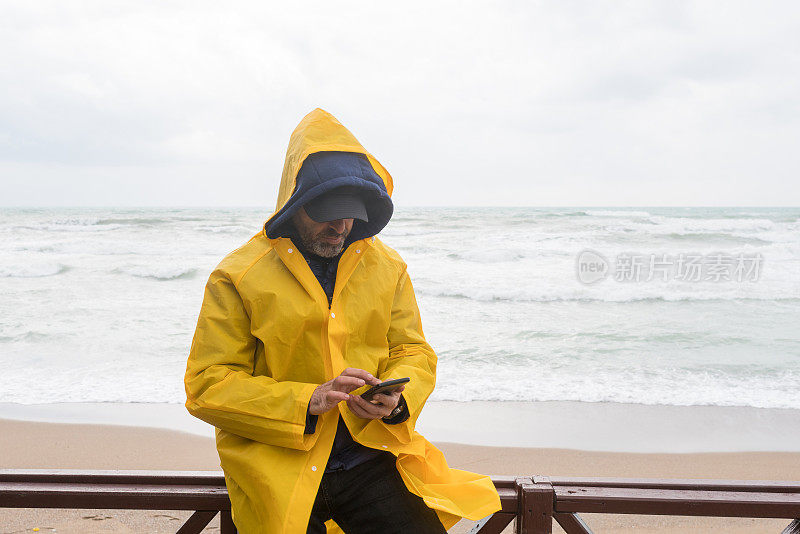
294 261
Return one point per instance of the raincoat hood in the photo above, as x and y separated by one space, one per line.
323 155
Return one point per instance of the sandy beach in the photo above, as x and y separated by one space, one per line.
25 444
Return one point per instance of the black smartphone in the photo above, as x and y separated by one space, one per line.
384 387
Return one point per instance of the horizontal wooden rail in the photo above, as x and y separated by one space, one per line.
676 502
201 491
679 483
533 501
685 497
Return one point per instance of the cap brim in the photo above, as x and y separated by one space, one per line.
334 206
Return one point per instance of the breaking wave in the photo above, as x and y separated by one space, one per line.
158 273
617 213
33 270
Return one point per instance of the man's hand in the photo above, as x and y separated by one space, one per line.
380 406
329 394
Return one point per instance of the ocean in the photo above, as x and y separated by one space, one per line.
670 306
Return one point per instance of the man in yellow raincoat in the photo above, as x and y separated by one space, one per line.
294 325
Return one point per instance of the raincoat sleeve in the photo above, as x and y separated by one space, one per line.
409 355
220 387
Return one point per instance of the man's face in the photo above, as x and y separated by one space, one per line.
324 239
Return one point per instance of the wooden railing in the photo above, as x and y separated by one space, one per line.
533 501
540 500
201 491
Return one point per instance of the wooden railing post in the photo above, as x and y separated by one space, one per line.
535 497
793 528
197 522
226 523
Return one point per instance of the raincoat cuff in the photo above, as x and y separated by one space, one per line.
311 422
402 416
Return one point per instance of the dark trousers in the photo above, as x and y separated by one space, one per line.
371 498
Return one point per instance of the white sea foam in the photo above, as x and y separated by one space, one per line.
32 270
225 228
617 213
681 388
156 272
100 305
72 221
27 337
512 295
683 225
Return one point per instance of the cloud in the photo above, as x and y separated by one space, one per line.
465 102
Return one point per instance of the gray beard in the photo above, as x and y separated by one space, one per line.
324 250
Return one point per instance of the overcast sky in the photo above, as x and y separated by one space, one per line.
558 103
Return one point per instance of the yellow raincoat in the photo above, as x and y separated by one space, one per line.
266 338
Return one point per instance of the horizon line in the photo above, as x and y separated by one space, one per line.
406 206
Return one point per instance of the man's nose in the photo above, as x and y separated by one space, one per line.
337 225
